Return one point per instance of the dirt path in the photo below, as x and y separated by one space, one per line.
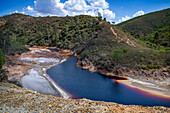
120 39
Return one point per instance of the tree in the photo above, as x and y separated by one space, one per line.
3 72
2 58
156 38
99 16
116 56
104 19
113 23
3 75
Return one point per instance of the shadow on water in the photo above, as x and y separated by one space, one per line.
84 84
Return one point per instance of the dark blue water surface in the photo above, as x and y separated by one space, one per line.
57 50
84 84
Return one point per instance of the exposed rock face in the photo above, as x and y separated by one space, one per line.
158 74
15 99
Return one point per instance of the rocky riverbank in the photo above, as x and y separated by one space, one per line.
29 70
153 81
15 99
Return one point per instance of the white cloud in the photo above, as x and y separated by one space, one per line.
108 14
139 13
76 6
99 4
18 12
29 9
123 19
70 7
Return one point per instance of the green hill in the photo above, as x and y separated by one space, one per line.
153 28
98 42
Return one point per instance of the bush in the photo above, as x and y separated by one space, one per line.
3 75
125 50
2 58
141 59
156 54
150 61
117 56
149 67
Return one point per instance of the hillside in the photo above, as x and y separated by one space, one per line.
153 28
95 42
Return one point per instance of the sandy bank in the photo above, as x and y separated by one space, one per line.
147 87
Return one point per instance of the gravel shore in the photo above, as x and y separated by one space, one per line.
29 70
14 99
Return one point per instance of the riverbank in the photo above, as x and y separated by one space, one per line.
15 99
146 87
29 70
144 80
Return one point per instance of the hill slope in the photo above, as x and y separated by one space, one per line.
95 42
152 28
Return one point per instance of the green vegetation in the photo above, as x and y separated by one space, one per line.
91 38
150 67
153 29
3 75
117 55
3 72
2 59
100 17
12 39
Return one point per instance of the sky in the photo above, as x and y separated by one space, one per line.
113 10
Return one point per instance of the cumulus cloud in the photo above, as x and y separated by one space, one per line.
99 4
123 19
76 6
29 9
139 13
71 7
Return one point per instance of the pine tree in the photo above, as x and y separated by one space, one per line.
2 58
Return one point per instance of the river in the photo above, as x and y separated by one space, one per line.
82 83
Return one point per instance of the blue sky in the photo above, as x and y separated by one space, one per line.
113 10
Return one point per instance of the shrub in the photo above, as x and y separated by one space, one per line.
3 75
156 54
2 58
142 59
117 55
125 50
149 67
150 61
